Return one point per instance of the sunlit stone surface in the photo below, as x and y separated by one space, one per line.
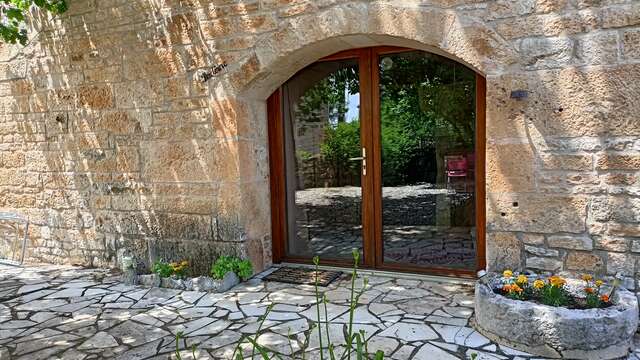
131 322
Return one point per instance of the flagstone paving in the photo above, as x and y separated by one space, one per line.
64 312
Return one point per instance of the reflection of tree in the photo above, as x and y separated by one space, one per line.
329 95
327 101
427 110
425 100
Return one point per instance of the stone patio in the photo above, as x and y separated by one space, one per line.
64 312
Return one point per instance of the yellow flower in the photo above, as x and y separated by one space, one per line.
184 263
599 283
538 284
586 277
522 279
507 273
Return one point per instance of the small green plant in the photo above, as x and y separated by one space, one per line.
165 270
356 343
224 264
162 268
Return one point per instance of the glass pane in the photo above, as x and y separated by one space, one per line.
427 115
322 133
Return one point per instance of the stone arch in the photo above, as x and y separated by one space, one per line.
302 40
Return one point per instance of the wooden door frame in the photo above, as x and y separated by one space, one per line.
370 138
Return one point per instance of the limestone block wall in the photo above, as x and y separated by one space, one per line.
117 135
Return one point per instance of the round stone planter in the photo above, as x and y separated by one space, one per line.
556 332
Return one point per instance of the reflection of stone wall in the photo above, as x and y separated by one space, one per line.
110 143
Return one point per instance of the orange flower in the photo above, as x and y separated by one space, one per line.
506 288
604 298
557 281
516 288
588 290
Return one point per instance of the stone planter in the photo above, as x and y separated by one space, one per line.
556 332
201 283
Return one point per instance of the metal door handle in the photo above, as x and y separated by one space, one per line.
362 158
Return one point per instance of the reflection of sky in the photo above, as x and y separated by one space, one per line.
353 106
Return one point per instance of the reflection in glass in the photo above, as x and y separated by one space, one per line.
322 132
427 119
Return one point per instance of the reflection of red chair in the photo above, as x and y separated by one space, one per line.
456 167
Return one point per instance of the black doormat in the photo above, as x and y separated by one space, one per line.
294 275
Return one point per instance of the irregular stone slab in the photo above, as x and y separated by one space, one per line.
205 283
430 352
16 324
447 332
385 344
410 332
291 327
66 293
282 316
191 326
192 296
134 334
149 280
229 280
404 352
361 315
62 341
422 306
278 343
39 305
212 299
30 288
140 352
251 298
333 311
100 340
195 312
224 338
212 328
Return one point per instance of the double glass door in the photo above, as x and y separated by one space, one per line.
378 151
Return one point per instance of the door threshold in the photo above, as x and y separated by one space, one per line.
385 273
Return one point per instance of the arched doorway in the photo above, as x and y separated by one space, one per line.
382 150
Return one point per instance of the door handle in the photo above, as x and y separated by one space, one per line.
362 158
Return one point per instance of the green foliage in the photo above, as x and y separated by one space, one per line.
426 105
224 264
162 268
593 301
342 142
554 296
329 94
13 16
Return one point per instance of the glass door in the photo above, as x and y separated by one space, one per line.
427 156
380 150
324 160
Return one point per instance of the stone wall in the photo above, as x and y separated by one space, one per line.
111 140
